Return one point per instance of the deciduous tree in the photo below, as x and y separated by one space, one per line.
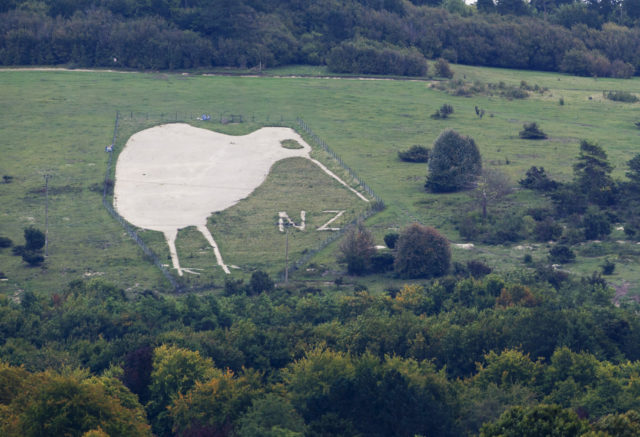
357 248
422 253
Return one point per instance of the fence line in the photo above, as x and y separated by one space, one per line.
340 161
377 206
224 118
127 227
214 117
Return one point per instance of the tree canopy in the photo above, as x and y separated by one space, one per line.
353 36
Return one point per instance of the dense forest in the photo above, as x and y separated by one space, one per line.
593 38
444 357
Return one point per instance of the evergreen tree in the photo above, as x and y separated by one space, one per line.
592 175
455 163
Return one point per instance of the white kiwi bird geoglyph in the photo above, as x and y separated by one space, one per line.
175 175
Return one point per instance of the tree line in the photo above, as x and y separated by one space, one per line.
356 36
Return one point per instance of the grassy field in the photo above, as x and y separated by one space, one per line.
58 122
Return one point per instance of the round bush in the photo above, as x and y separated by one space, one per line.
422 253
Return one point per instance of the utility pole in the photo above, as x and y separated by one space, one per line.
47 176
286 254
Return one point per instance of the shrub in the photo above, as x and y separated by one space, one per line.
572 236
291 144
536 179
234 286
506 229
478 269
547 230
531 131
422 253
443 69
391 239
539 214
444 112
561 254
514 93
34 238
596 225
416 153
608 267
5 242
621 96
454 164
32 258
356 249
260 282
382 262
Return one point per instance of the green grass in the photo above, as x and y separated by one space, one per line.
290 144
59 122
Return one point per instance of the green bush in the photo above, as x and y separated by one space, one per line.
621 96
455 163
515 93
422 253
5 242
33 258
531 131
34 238
391 239
495 229
444 112
596 225
382 262
608 267
477 268
536 179
261 282
561 254
547 230
443 69
234 286
416 153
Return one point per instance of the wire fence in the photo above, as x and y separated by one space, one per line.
225 117
375 207
212 116
340 161
310 253
130 230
